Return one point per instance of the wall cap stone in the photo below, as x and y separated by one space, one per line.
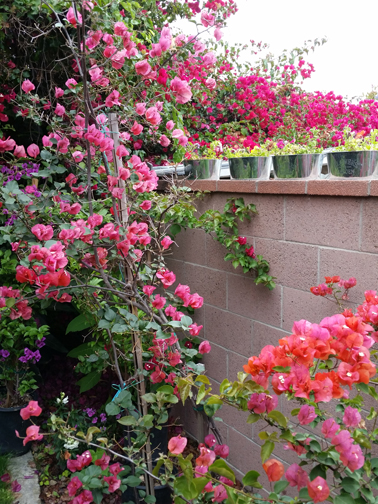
329 187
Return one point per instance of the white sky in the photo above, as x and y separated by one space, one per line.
347 64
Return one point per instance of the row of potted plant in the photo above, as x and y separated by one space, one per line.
356 156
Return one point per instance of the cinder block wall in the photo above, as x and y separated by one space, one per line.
304 237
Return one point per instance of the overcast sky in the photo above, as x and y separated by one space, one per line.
347 64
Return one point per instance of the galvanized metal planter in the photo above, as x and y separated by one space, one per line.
297 166
250 167
353 164
203 169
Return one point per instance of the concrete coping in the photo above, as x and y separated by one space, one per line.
328 187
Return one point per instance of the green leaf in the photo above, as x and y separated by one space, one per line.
112 408
315 446
220 467
81 322
127 420
174 229
295 411
186 321
133 481
253 418
201 393
343 499
89 381
303 494
318 470
280 486
250 479
150 398
156 469
203 379
110 315
119 328
278 417
149 499
266 450
186 488
350 485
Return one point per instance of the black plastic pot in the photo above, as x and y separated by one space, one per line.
163 494
11 421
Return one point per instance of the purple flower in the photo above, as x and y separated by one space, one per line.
90 412
95 420
40 343
4 354
103 417
30 355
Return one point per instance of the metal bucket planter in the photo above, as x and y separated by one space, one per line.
353 164
250 167
297 166
203 169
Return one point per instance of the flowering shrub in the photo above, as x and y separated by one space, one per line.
20 346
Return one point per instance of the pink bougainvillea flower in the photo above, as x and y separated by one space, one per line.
261 403
206 457
176 445
27 86
296 476
74 485
19 151
204 347
274 469
32 434
85 497
136 129
166 242
43 233
330 427
59 110
148 289
170 125
103 462
71 83
140 108
318 489
78 156
351 417
113 482
32 409
167 277
218 34
74 18
122 151
306 414
210 441
33 150
195 329
181 90
145 205
222 450
159 302
220 494
59 92
164 141
142 67
153 116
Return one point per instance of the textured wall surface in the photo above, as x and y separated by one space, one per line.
304 238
